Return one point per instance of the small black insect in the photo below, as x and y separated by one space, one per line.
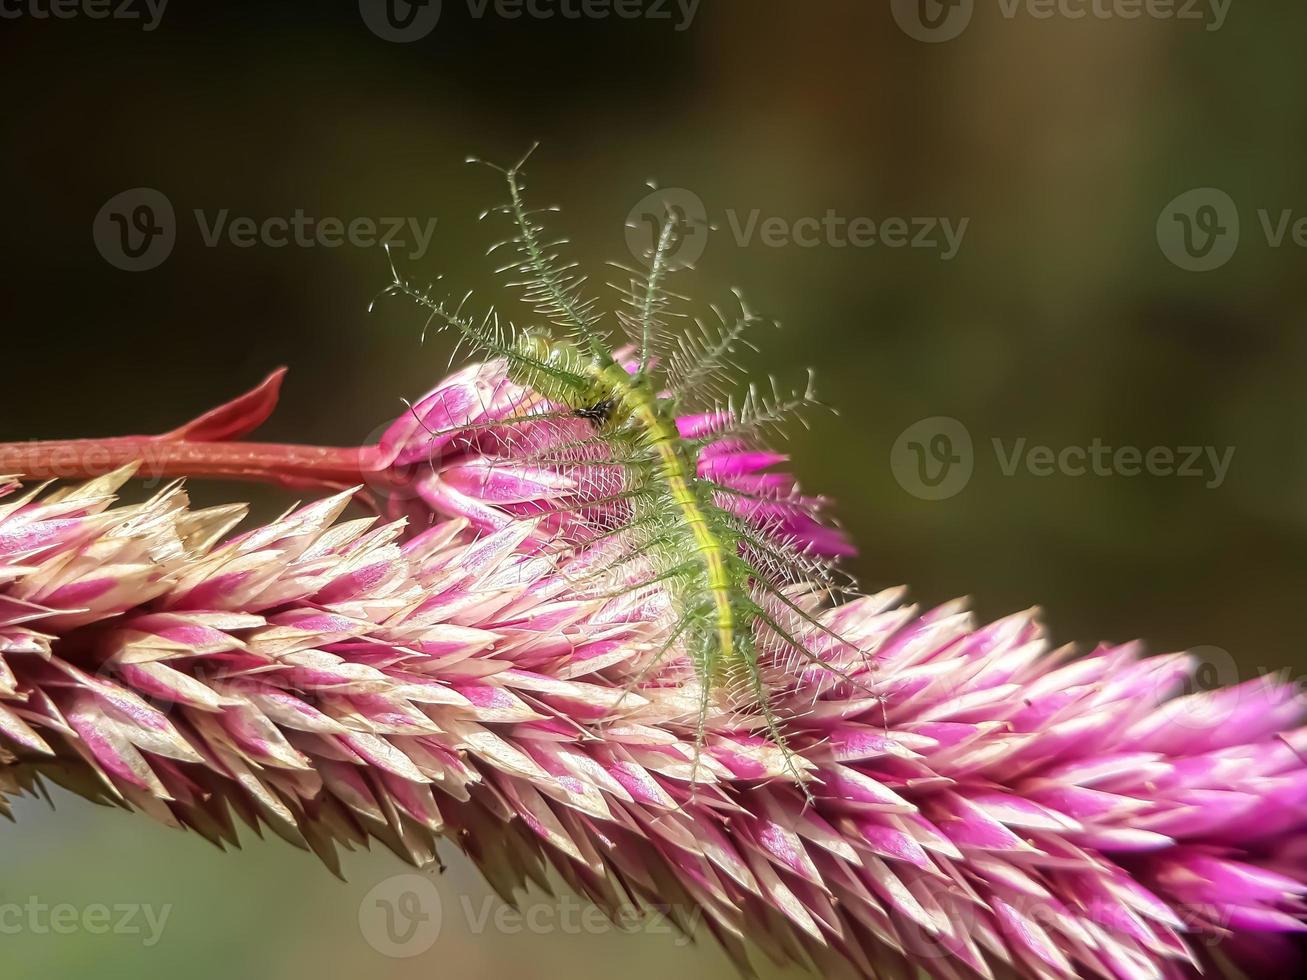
597 414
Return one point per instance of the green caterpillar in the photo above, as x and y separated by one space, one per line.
737 590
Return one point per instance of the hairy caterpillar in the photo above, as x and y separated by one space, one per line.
743 596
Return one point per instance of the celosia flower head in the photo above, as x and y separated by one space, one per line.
470 449
997 805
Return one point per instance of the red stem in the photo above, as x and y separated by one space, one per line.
288 465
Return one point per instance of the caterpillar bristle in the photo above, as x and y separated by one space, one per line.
637 511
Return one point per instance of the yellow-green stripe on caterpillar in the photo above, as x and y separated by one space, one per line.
739 591
678 473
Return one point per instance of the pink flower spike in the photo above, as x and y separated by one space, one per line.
989 807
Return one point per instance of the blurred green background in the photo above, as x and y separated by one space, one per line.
1060 320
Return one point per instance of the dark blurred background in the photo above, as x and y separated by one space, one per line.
1086 299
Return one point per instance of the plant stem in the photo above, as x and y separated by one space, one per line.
285 464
